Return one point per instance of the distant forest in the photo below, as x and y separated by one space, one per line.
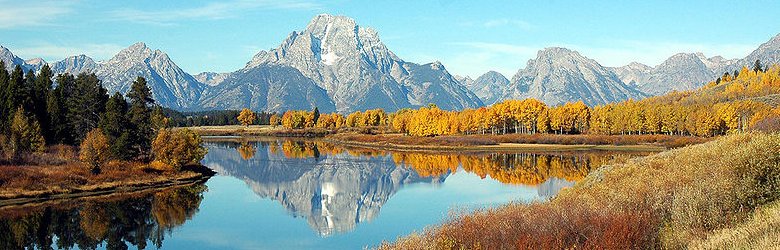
211 118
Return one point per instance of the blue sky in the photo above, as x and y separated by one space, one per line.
469 37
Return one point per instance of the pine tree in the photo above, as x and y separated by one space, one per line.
40 93
4 109
66 87
159 120
14 92
55 118
113 122
86 105
316 114
139 115
28 92
757 66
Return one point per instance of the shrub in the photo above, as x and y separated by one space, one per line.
6 148
176 148
94 150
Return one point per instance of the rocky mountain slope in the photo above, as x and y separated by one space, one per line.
359 72
768 53
75 65
171 86
682 71
488 87
560 75
688 71
211 78
267 87
10 60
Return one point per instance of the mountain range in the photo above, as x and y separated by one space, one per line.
333 192
336 65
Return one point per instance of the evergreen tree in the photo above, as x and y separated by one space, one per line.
757 66
139 115
316 114
85 105
14 92
66 87
28 100
4 109
113 122
159 120
55 118
40 94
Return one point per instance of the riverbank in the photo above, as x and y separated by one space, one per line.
379 138
257 130
32 184
449 144
57 174
67 200
705 195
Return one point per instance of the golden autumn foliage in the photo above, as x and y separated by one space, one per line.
294 119
729 104
732 104
25 134
246 150
331 121
274 120
175 148
247 117
519 168
94 150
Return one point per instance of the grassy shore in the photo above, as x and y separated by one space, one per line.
380 138
56 174
714 195
256 130
516 142
422 146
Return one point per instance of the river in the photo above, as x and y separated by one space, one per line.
287 194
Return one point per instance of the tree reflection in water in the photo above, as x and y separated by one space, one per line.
135 219
527 168
335 188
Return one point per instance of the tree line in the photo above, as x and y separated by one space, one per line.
78 111
213 118
726 105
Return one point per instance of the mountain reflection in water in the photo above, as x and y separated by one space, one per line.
334 188
87 223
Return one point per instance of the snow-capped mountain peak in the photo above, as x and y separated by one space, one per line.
359 72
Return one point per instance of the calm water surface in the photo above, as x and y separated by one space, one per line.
280 194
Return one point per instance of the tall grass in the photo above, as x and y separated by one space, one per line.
668 200
58 170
